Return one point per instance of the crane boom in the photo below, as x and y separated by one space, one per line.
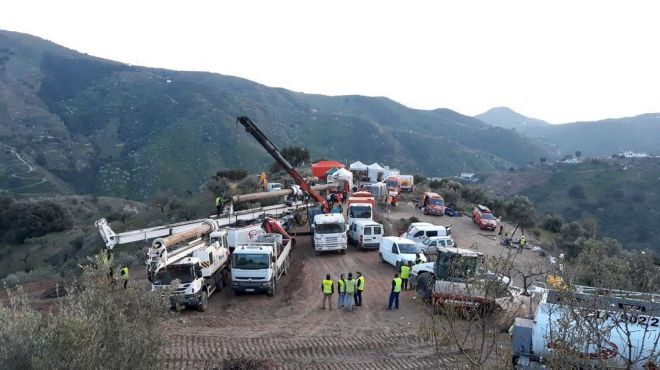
252 129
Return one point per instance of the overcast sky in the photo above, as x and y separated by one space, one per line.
554 60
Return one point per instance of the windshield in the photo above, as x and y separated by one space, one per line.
392 184
408 248
454 266
437 202
329 228
183 273
250 261
360 212
487 216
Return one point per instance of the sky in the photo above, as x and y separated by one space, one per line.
556 60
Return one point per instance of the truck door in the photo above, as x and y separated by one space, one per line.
368 235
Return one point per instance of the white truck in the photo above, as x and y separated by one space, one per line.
197 269
257 266
328 231
596 328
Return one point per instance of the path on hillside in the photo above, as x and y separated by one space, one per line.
30 169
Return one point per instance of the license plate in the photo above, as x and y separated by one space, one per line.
249 290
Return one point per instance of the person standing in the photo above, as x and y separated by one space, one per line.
111 278
521 243
394 293
341 288
350 290
359 288
124 275
405 273
327 287
218 205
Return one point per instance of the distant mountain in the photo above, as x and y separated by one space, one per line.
595 138
71 123
507 118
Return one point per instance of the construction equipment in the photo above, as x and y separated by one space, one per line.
594 327
458 278
328 225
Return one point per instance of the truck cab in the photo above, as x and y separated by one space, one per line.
257 266
433 204
365 233
329 233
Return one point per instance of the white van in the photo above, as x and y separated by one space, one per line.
365 233
397 251
421 232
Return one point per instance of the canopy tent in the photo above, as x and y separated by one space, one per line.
373 170
342 174
358 166
319 169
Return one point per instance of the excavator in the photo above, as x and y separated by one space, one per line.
327 225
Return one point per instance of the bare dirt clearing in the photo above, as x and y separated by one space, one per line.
293 330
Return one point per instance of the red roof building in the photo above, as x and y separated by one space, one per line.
319 169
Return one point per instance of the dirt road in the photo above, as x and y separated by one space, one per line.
293 330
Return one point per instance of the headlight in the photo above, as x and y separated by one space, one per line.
265 284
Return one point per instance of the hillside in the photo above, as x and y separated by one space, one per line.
595 138
71 123
507 118
621 194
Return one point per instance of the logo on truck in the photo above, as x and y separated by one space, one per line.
252 234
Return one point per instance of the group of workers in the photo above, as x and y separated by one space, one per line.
350 290
123 273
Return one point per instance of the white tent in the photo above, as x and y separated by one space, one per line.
342 174
373 170
358 166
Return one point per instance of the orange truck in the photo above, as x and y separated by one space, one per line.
361 204
433 204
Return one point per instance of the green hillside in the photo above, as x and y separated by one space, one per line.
89 125
596 138
621 194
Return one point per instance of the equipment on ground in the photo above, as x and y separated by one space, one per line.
597 328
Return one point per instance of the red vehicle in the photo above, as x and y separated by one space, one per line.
482 216
433 204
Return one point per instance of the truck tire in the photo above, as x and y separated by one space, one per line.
342 251
203 302
425 287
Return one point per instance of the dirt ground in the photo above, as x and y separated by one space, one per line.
293 330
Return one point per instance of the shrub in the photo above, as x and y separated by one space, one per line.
22 220
552 223
577 192
93 328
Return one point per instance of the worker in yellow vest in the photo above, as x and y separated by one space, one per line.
350 290
327 287
124 275
341 288
394 294
405 272
218 205
359 288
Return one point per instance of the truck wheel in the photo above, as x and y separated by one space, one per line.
424 287
342 251
203 302
317 253
380 257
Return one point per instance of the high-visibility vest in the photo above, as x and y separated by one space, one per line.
523 241
350 286
124 273
218 201
341 285
397 285
327 286
405 271
360 283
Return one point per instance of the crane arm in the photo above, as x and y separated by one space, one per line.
252 128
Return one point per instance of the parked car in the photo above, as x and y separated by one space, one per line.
365 233
397 251
431 244
482 216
